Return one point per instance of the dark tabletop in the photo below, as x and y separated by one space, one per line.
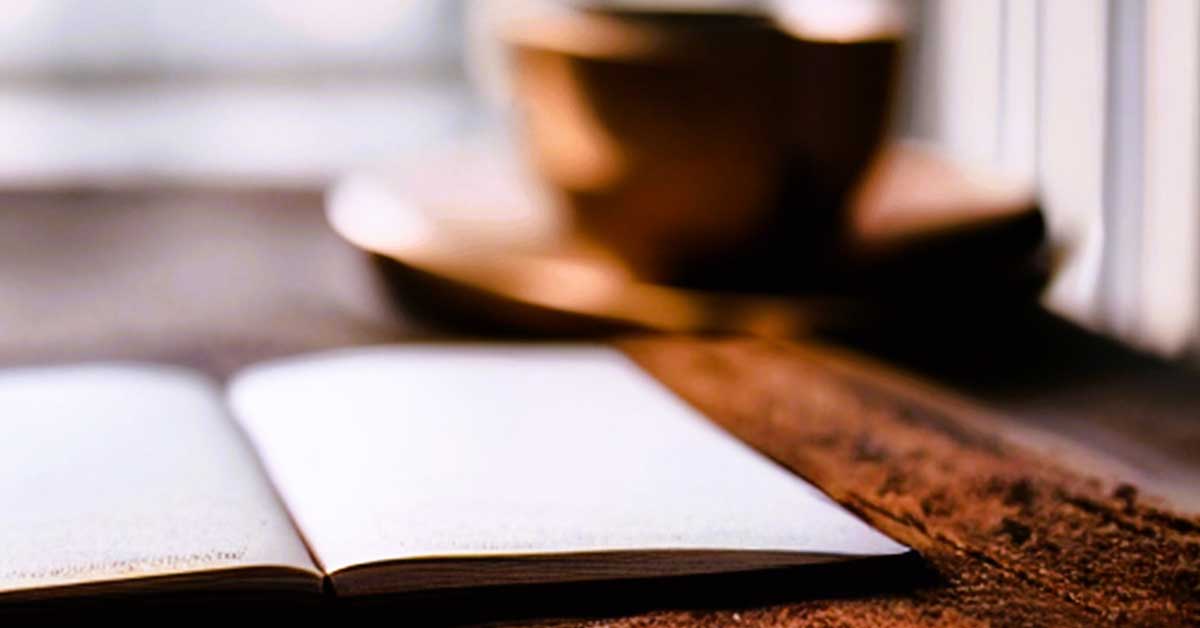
1045 475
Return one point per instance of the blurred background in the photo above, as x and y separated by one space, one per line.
1097 100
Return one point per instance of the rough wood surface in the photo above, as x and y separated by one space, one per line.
217 279
1016 538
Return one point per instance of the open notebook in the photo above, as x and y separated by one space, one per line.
386 470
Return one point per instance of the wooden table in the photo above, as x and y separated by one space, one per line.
1046 476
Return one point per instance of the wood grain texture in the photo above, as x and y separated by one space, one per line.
1014 528
1018 539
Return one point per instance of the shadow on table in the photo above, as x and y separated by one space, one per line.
535 603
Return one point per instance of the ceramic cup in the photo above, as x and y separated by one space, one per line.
680 138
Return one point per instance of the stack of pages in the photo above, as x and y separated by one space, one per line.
386 470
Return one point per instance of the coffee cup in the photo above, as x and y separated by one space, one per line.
685 140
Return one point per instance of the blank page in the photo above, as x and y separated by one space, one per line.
116 472
478 451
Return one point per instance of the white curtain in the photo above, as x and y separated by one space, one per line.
1099 100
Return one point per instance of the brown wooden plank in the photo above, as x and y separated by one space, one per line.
219 278
1017 538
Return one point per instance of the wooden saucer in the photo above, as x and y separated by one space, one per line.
466 228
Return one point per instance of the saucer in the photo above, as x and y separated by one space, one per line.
465 229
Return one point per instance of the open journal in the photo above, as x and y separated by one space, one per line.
386 470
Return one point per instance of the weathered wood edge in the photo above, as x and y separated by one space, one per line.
1017 538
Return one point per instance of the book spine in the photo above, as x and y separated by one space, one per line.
1169 295
969 66
1072 141
1019 73
1124 125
